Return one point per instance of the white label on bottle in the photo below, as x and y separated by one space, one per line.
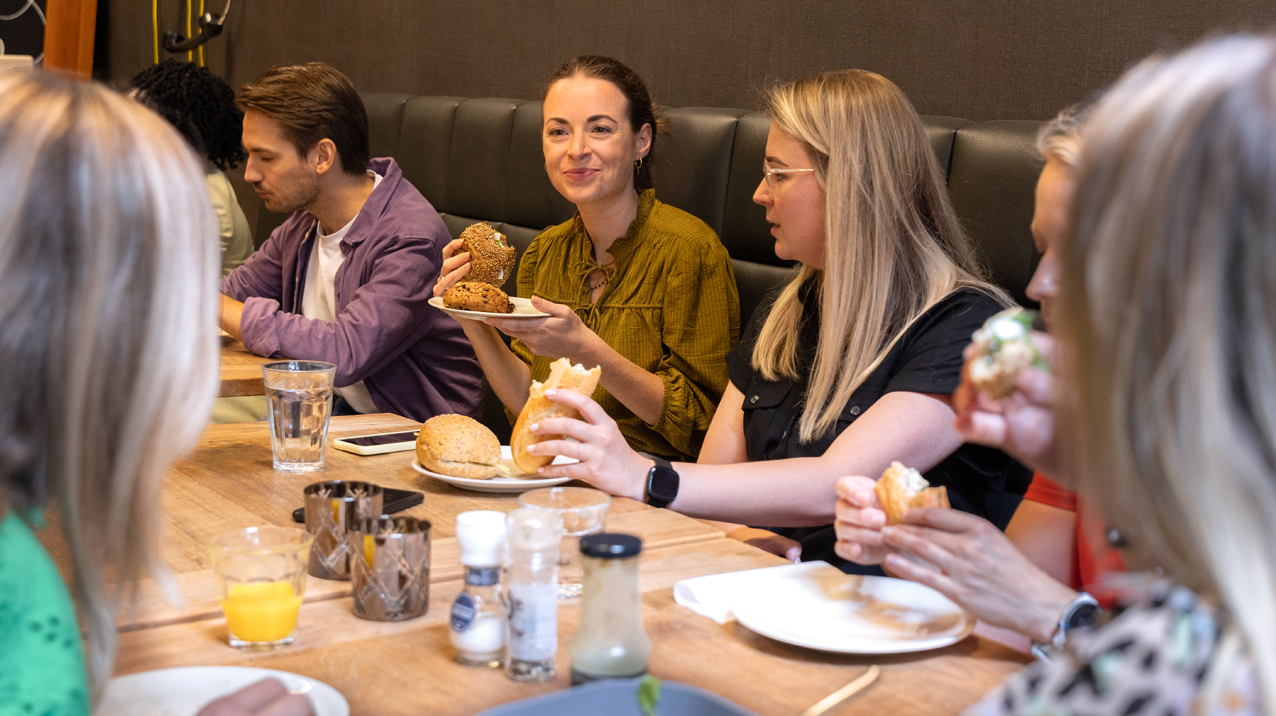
533 621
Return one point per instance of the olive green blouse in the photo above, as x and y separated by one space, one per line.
670 305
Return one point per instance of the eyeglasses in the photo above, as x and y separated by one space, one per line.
770 173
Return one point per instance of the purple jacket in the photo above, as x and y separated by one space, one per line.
413 358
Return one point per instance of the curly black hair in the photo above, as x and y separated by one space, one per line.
199 104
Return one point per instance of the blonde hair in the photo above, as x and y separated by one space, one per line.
108 257
1060 138
1167 322
893 247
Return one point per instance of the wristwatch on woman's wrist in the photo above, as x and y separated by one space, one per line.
1080 612
662 483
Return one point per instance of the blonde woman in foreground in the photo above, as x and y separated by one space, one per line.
855 364
1167 332
108 257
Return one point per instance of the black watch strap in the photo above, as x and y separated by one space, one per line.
662 483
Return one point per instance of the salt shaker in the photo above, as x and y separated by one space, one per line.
532 593
610 642
478 621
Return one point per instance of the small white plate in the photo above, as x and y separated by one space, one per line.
851 614
522 309
501 484
184 691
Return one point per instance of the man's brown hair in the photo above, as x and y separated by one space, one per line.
311 102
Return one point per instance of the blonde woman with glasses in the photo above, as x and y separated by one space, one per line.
108 257
1167 333
855 363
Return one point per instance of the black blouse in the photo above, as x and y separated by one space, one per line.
927 359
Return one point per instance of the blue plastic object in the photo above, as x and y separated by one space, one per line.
620 698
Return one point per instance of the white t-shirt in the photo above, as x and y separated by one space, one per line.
320 297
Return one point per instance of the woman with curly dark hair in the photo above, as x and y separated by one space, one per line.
202 108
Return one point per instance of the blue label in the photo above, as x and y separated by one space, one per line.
482 576
463 612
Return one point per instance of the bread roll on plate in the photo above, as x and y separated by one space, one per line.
562 376
900 489
458 446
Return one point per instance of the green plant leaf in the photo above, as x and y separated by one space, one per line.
649 695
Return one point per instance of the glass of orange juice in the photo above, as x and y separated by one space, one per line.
261 577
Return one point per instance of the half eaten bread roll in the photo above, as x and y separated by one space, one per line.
1003 349
900 489
458 446
562 376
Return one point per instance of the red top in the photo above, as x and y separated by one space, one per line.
1093 560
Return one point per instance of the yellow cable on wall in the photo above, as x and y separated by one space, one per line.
201 47
190 56
155 26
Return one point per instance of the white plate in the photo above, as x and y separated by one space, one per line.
184 691
851 614
522 309
500 484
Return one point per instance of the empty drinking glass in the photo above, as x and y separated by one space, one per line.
584 512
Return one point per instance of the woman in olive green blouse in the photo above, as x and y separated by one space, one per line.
642 289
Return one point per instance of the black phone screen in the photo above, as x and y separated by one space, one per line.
382 439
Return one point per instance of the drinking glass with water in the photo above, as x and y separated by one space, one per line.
299 402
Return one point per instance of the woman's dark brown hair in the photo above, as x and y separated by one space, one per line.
641 109
311 102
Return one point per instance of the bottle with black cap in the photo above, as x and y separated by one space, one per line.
610 642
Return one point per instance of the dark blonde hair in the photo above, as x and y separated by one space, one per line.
108 257
312 102
893 247
1168 327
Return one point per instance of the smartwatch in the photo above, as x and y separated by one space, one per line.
1081 612
662 483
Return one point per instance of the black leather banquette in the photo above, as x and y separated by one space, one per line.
480 159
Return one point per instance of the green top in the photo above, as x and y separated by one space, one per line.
670 306
41 656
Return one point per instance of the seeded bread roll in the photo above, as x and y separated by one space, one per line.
562 376
458 446
900 489
471 296
491 261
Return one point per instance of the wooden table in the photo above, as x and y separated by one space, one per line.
241 371
385 669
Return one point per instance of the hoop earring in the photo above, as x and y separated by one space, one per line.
638 164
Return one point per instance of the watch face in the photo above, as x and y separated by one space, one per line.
662 484
1084 615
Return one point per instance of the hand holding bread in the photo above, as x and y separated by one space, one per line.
483 259
900 489
562 376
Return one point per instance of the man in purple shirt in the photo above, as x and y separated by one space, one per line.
347 277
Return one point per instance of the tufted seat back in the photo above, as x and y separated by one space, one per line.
480 159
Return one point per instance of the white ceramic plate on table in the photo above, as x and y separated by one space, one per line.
502 484
522 309
851 614
184 691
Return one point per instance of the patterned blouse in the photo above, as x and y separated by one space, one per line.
41 656
1151 657
669 305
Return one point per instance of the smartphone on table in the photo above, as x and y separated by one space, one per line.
392 501
378 444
